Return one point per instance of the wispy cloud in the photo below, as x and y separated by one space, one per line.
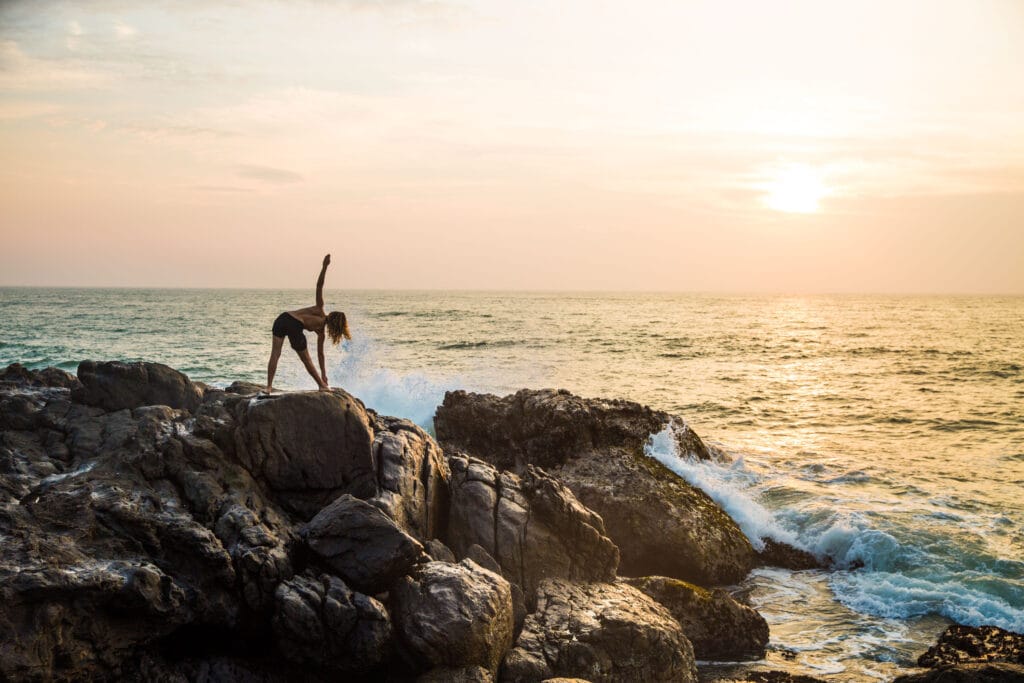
20 71
268 174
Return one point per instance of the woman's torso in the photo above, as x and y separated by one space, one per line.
311 317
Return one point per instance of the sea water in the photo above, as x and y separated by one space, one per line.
883 432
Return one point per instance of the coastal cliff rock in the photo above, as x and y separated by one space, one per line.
599 632
115 385
297 537
718 627
454 615
661 524
532 526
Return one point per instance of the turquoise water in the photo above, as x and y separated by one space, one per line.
885 432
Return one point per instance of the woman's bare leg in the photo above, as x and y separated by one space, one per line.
275 353
308 362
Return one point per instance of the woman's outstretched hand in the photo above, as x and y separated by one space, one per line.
327 260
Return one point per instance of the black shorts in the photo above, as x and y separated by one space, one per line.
289 326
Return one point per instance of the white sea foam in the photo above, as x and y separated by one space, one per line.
734 487
414 395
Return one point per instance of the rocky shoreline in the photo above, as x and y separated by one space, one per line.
153 528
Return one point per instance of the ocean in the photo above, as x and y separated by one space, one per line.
886 432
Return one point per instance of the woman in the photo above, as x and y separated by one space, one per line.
292 324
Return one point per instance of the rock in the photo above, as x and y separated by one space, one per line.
547 427
114 385
978 672
453 615
661 524
531 525
18 375
321 622
600 632
362 544
439 551
120 530
778 677
718 627
779 554
412 477
307 448
482 558
244 388
972 644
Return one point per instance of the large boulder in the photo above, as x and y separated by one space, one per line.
661 524
361 544
115 385
600 632
453 615
531 525
412 477
718 627
307 448
547 427
319 621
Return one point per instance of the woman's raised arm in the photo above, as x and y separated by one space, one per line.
320 282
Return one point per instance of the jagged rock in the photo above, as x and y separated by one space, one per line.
531 525
718 627
115 385
661 524
974 644
779 554
307 448
120 528
361 544
546 427
439 551
777 677
412 477
978 672
453 615
320 621
600 632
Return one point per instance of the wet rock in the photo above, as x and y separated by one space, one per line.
244 388
361 544
600 632
661 524
115 385
777 677
970 644
412 477
321 622
307 448
718 627
978 672
531 525
779 554
546 427
453 615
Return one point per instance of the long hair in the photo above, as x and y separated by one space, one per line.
337 327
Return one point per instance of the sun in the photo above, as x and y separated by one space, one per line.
795 189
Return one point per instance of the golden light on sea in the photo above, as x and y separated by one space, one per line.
796 188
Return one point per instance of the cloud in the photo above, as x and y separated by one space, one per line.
268 174
19 71
124 31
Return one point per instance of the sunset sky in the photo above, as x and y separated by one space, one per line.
687 146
